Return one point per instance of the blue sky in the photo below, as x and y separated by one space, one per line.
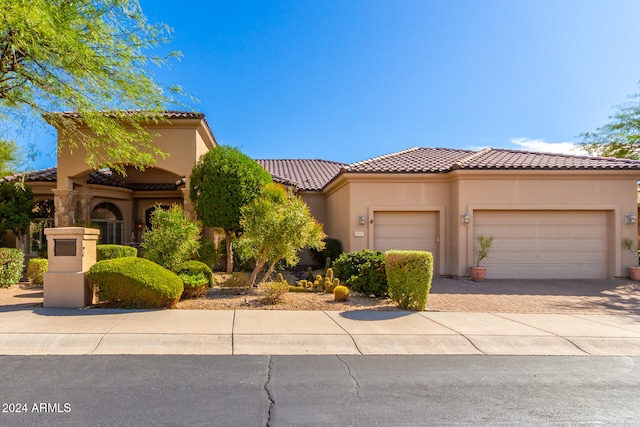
347 80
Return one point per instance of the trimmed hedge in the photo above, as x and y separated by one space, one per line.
363 272
11 262
196 278
135 283
115 251
409 274
36 267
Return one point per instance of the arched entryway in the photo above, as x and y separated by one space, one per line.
109 219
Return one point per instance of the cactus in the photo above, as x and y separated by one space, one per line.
329 274
327 264
303 283
336 282
319 277
341 293
310 274
280 278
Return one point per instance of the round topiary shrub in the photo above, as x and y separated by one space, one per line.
36 267
11 262
363 271
104 252
196 277
135 283
341 293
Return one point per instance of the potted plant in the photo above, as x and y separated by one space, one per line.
477 272
634 270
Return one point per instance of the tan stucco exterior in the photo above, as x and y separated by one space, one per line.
349 205
185 140
453 194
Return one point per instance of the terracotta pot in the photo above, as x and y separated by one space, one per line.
478 273
634 273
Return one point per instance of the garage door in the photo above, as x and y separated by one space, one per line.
414 230
544 244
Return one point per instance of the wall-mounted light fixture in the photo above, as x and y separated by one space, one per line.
630 218
363 219
465 219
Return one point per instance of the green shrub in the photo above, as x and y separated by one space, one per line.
332 249
192 268
36 267
11 262
196 278
104 252
409 275
208 253
363 272
237 280
135 283
173 239
341 293
273 292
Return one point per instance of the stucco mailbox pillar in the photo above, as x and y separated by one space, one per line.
71 251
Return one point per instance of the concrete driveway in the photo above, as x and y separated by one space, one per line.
610 296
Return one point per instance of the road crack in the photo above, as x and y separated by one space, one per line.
268 391
356 383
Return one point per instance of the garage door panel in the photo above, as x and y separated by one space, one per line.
410 230
544 244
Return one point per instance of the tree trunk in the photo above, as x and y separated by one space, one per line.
254 274
272 267
227 236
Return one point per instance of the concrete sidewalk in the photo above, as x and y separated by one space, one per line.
253 332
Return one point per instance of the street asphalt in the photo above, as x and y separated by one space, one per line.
50 331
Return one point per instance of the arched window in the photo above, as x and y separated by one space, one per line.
108 217
43 217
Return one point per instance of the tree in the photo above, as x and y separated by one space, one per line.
85 56
16 209
173 239
618 138
222 181
9 158
277 226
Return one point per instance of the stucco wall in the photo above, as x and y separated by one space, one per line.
611 191
467 191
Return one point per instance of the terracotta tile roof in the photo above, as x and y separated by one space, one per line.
442 160
43 175
417 160
168 114
314 175
309 175
516 159
99 177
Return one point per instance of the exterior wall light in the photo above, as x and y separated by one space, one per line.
630 219
465 219
363 219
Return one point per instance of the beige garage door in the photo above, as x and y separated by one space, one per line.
544 244
414 230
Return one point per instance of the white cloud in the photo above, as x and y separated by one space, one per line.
540 145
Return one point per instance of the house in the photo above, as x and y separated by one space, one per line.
551 215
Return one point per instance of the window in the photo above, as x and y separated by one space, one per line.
108 218
43 215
